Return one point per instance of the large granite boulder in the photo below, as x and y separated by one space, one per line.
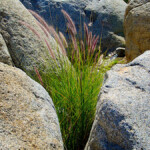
4 53
105 17
28 118
137 28
122 119
25 48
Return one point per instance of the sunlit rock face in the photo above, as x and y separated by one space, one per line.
123 115
137 28
28 118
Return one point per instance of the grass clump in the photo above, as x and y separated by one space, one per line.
74 87
74 93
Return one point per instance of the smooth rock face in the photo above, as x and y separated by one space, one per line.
28 118
4 53
122 119
137 28
25 48
104 16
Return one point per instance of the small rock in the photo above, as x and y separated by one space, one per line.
120 51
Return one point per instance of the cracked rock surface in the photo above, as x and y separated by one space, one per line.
28 118
122 119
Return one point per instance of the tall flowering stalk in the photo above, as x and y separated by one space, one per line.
62 37
72 30
39 76
87 48
75 88
58 39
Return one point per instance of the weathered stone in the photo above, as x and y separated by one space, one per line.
105 17
24 46
28 118
122 119
137 28
108 21
4 54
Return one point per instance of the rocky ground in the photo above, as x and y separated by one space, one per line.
28 119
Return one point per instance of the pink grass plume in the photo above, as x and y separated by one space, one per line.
58 40
95 43
32 29
50 49
43 28
40 19
39 76
70 21
83 48
86 32
63 39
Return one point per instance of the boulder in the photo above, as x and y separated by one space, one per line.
28 118
4 53
122 119
25 48
107 21
137 28
104 17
